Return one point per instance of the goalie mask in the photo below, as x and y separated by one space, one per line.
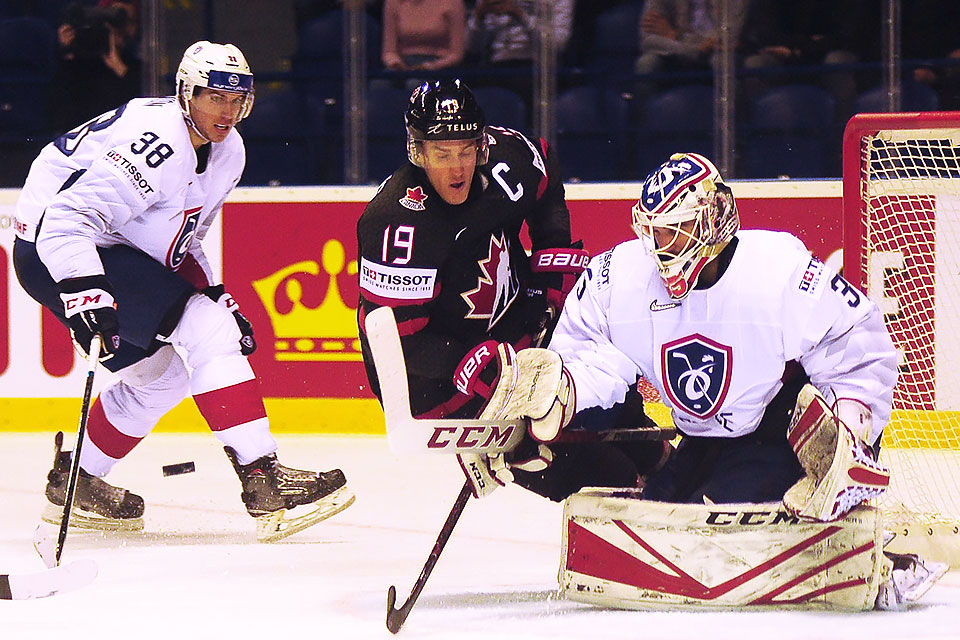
214 66
685 217
444 110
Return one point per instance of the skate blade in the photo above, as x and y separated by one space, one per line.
278 525
935 571
80 519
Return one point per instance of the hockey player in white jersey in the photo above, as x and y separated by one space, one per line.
778 373
109 227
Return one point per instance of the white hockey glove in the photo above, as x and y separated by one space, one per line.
535 386
218 294
841 471
530 384
487 472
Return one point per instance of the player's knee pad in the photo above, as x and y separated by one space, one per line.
206 331
150 368
141 397
621 551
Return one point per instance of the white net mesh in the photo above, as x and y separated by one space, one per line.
909 217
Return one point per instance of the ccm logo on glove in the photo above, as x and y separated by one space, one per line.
94 299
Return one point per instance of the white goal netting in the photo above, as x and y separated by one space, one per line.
902 245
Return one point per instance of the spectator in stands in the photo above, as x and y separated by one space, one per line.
584 24
780 35
306 10
423 34
683 35
929 33
97 65
502 35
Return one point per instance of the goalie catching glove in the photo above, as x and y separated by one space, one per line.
841 469
528 384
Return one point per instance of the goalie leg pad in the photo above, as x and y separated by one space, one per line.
840 470
622 552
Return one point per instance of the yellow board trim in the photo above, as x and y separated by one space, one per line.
287 415
907 429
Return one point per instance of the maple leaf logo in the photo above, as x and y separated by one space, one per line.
497 285
414 199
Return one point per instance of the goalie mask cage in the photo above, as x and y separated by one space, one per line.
901 244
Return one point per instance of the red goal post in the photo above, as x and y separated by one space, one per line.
901 245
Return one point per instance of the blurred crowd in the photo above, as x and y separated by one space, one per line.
89 55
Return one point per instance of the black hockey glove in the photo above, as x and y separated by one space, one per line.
90 309
553 274
247 342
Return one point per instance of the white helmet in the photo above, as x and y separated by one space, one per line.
214 66
687 187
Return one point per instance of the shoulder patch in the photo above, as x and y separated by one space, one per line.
604 261
414 198
398 285
812 278
130 171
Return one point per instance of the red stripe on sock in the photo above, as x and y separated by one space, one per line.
105 435
230 406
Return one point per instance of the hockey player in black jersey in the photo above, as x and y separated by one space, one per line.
441 244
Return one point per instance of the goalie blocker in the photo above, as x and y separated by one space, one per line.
622 552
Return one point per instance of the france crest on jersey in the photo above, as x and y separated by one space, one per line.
696 374
661 189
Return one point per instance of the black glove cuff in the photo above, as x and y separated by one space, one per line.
214 291
75 285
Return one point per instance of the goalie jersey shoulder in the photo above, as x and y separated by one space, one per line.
625 268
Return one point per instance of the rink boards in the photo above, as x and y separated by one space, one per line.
289 257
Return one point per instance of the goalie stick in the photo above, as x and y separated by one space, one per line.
59 579
407 434
50 553
396 617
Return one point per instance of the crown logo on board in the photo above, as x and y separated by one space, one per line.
327 332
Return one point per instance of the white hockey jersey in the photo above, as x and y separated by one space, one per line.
717 357
128 176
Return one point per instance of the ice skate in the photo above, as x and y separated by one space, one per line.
96 504
284 501
910 578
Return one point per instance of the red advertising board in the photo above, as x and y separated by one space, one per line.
292 267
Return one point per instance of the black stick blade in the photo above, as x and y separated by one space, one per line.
395 617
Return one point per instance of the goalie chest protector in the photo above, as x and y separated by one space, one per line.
622 552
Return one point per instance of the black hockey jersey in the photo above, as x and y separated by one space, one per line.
457 275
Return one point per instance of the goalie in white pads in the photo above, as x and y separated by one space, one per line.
109 227
778 372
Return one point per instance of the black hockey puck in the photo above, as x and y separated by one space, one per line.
178 469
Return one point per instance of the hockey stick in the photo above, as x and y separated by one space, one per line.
396 617
51 556
56 580
407 434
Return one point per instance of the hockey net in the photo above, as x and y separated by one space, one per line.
901 216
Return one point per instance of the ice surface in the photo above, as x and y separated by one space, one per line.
196 571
